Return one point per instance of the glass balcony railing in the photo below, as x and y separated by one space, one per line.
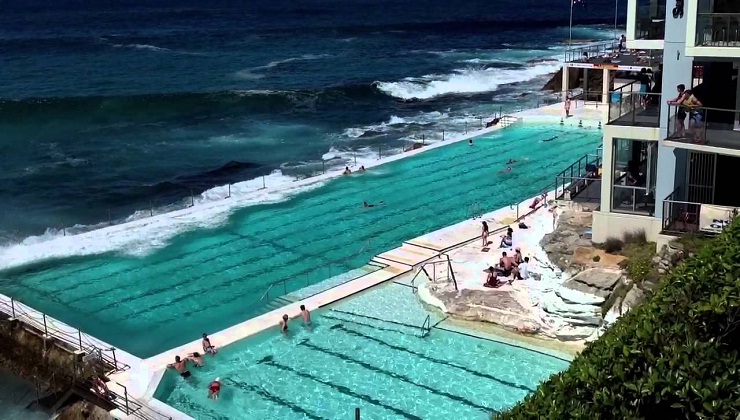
630 106
718 30
632 199
650 20
704 126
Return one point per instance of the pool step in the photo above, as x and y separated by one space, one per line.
279 302
406 255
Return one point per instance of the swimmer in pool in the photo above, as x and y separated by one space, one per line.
181 366
196 358
511 161
366 204
306 315
284 324
347 171
505 171
362 168
470 142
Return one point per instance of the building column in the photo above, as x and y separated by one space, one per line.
737 104
607 173
605 87
564 83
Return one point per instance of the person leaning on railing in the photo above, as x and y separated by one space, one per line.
696 118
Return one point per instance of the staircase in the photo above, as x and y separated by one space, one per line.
279 302
507 120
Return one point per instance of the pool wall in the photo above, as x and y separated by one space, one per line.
143 377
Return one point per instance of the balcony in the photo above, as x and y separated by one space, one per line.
628 106
717 30
650 20
710 127
607 55
681 217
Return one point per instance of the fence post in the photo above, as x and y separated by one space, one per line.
443 135
46 331
79 336
12 307
229 196
263 182
125 394
192 199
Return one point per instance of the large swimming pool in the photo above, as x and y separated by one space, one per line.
210 279
366 352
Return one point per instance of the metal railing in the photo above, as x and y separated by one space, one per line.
632 199
718 29
72 337
582 168
590 51
650 21
576 187
449 273
704 126
685 216
630 105
134 407
426 327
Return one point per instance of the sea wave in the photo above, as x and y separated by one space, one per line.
150 229
252 73
152 107
463 81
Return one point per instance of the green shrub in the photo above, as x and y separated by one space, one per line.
639 263
612 245
637 237
676 356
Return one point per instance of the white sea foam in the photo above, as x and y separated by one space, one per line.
396 123
141 47
144 233
470 80
252 73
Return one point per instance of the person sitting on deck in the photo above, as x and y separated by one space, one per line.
208 348
181 366
507 266
492 278
524 271
508 239
518 258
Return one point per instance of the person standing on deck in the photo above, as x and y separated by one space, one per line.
484 234
567 107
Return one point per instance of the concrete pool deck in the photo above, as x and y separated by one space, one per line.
143 377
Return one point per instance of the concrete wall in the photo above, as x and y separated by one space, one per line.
614 225
677 69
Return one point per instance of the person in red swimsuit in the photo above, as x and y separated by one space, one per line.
214 388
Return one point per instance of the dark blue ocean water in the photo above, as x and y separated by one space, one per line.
107 108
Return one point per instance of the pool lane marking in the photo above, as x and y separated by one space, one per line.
431 359
182 255
366 325
417 327
273 398
396 376
268 360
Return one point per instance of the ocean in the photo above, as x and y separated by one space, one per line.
111 111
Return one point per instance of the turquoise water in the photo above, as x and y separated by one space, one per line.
368 353
210 279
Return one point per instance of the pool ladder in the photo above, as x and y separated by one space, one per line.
426 327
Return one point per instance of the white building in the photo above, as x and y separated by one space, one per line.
666 169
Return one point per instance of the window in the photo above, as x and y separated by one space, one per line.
633 183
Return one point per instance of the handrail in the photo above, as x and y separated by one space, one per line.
139 410
79 341
426 327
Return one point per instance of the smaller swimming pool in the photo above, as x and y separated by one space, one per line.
367 352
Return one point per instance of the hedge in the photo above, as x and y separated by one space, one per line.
676 356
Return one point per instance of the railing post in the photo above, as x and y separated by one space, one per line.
422 140
228 196
151 208
12 307
380 155
466 127
443 135
79 336
125 394
263 182
192 199
115 361
64 231
46 331
110 220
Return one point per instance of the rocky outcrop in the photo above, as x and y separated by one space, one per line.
596 281
575 80
561 244
494 306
